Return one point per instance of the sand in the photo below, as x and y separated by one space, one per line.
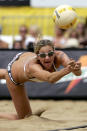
56 115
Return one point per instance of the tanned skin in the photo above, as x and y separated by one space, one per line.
40 68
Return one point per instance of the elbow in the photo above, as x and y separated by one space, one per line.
51 80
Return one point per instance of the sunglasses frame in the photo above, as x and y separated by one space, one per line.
43 55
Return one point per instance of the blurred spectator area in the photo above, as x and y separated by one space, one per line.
13 17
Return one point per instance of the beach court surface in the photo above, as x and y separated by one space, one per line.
56 115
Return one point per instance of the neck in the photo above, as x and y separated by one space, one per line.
53 68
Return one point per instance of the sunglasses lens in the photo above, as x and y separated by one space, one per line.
43 55
50 53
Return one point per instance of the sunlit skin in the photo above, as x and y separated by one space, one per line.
30 66
46 62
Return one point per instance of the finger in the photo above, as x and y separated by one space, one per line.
71 68
72 65
78 63
77 68
71 59
72 62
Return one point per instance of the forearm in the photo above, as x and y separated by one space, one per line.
50 77
55 76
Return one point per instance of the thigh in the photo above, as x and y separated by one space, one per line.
20 98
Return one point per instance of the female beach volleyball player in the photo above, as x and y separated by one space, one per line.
39 66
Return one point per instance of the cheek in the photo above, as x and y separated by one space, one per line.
41 60
52 58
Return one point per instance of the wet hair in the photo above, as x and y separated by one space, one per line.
41 44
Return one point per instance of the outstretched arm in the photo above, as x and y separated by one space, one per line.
39 73
65 61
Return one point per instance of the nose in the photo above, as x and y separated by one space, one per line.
47 57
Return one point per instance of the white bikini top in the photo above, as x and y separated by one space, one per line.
33 79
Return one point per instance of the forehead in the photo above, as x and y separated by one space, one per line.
46 48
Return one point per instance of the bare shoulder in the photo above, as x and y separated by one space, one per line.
31 61
62 57
59 55
27 57
28 54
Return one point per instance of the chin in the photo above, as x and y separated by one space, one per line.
47 67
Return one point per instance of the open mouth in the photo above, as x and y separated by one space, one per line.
47 63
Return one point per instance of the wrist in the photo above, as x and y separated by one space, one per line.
66 71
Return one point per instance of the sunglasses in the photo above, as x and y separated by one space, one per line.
43 55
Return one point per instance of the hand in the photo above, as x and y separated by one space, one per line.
74 67
71 65
77 66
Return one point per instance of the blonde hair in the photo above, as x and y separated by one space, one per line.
42 43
